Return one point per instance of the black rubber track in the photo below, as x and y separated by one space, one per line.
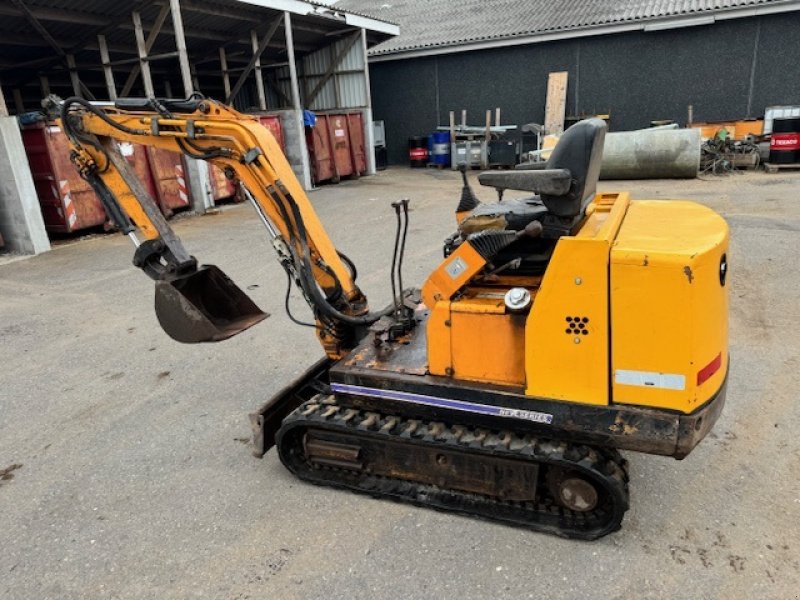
604 467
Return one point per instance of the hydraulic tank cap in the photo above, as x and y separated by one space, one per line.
518 299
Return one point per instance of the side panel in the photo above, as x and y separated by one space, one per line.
669 310
567 330
487 344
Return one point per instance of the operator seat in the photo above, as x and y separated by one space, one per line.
564 186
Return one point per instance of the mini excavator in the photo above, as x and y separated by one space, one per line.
561 326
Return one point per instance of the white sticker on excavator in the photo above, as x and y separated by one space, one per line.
456 267
665 381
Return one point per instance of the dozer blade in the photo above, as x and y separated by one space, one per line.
204 306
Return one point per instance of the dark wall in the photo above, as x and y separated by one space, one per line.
637 77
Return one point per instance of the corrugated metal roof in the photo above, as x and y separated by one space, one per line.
430 24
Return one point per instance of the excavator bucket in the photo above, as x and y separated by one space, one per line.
204 306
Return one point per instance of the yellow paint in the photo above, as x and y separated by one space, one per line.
453 274
440 358
568 365
668 309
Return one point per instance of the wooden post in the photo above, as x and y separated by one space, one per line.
144 65
223 63
292 65
298 107
3 107
195 79
19 106
368 129
107 72
148 45
488 133
497 117
262 96
73 75
180 42
256 54
463 117
44 82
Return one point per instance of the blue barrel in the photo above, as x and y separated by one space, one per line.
440 148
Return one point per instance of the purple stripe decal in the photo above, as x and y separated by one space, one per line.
482 409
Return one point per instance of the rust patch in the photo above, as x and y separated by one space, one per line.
620 426
687 270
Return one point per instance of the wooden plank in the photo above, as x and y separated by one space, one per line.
3 107
556 105
223 63
257 50
107 72
253 59
180 43
148 45
144 65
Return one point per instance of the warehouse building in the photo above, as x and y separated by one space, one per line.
636 61
275 58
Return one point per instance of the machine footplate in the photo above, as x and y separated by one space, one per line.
570 490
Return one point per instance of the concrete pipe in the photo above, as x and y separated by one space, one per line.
651 154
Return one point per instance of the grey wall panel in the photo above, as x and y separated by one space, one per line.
513 79
405 100
644 76
638 77
777 80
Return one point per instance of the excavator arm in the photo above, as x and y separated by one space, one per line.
199 303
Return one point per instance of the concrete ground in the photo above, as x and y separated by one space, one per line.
125 470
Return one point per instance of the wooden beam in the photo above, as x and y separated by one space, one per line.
148 45
54 14
44 84
40 29
3 107
180 42
223 63
144 65
292 65
108 74
275 86
332 67
19 106
255 58
262 96
556 103
73 75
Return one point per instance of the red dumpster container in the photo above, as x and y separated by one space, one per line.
355 125
339 134
68 203
168 175
273 123
319 150
161 172
222 188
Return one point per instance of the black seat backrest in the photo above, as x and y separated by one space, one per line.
579 150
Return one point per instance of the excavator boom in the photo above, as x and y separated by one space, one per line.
193 303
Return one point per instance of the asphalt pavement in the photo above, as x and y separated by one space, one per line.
125 470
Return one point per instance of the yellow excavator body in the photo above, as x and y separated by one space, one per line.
561 326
